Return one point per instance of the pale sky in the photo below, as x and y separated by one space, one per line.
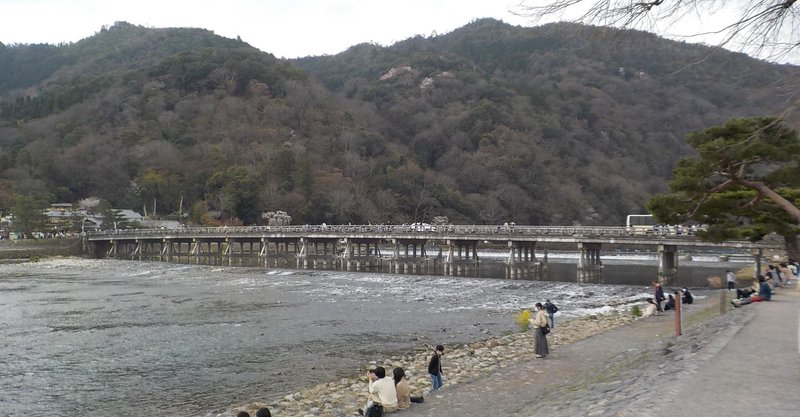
285 28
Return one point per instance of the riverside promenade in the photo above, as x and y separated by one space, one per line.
743 362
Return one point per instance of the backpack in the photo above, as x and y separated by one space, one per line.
375 410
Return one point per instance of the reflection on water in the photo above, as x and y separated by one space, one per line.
104 337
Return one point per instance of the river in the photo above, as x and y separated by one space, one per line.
106 337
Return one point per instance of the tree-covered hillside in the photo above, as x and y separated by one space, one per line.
490 123
556 124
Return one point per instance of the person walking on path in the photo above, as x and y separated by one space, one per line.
551 309
435 368
539 324
731 278
659 297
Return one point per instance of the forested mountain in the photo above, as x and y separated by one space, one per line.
558 124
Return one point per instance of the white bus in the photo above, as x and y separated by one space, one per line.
640 224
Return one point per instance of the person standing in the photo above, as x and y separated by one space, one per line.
659 297
731 278
435 368
539 323
551 309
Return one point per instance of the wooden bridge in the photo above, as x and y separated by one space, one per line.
398 248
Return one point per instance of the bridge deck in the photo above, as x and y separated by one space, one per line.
495 234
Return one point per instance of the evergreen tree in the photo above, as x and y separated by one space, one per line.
744 182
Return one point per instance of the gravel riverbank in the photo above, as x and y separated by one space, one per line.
599 366
463 364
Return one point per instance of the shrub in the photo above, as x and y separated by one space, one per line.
636 311
523 319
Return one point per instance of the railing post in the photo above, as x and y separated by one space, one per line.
678 303
723 301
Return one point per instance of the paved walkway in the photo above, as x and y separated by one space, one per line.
756 371
744 362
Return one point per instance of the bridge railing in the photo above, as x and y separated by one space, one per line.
416 230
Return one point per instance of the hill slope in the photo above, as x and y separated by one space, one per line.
489 123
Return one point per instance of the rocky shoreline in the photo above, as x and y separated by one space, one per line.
462 363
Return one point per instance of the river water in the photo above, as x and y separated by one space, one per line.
124 338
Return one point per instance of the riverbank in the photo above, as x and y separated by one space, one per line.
590 357
463 363
32 249
642 369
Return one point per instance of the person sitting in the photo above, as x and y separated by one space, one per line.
773 276
742 293
243 414
764 294
381 391
650 309
404 398
263 412
786 273
687 298
402 388
670 304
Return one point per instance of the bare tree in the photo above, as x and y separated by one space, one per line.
766 28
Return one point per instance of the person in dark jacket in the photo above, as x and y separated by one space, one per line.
687 298
658 296
670 304
551 309
764 294
435 368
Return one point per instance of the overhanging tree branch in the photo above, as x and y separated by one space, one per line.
762 27
766 191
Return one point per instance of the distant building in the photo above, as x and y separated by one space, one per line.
130 216
62 216
161 224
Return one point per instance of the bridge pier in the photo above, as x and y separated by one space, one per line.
521 260
282 252
668 264
590 267
353 258
310 251
460 262
406 260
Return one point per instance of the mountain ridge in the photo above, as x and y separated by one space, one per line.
485 124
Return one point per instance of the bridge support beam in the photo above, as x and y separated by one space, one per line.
360 254
521 260
462 255
590 267
668 264
406 259
321 252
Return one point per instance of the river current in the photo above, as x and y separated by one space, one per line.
106 337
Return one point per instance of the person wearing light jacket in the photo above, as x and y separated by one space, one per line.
381 390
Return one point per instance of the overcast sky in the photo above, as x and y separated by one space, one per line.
286 28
